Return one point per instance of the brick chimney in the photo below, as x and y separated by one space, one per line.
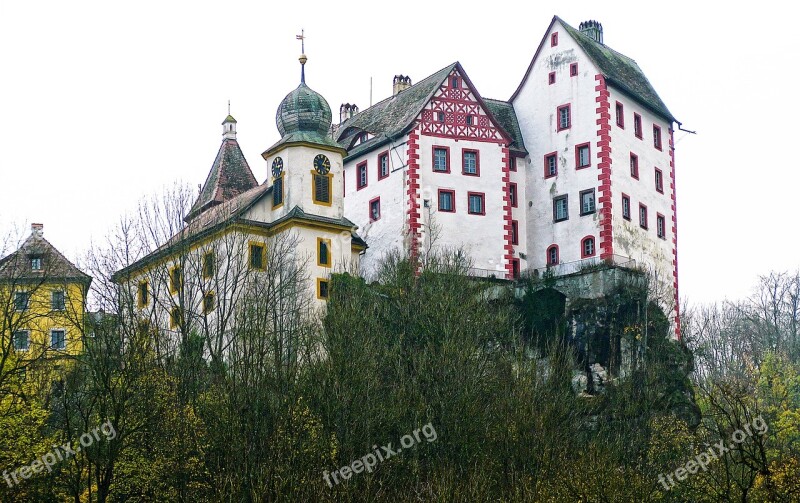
400 83
592 29
37 229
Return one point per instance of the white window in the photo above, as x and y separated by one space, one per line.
550 165
440 159
563 117
583 156
587 202
22 340
660 226
626 207
57 300
588 247
446 200
560 208
58 339
36 263
375 209
470 162
384 165
476 204
362 175
21 301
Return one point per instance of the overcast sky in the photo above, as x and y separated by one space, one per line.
103 103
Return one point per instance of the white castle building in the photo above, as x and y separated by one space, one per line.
577 166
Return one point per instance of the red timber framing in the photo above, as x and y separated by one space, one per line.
413 212
457 103
507 226
604 154
674 232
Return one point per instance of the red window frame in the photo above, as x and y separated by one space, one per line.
483 202
568 106
551 78
634 166
573 69
513 195
446 158
358 175
553 247
455 82
553 39
514 232
381 156
626 197
477 161
578 157
452 200
374 200
554 155
661 226
643 222
515 268
659 180
619 111
657 137
512 163
637 125
583 247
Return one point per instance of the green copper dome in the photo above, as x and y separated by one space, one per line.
303 110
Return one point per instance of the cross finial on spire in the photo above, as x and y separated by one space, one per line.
303 58
302 39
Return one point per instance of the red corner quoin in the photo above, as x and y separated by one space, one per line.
674 232
508 248
412 192
604 153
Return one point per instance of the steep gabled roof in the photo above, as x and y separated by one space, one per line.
619 71
394 116
390 118
230 176
504 112
55 266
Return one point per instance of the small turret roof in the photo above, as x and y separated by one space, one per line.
230 175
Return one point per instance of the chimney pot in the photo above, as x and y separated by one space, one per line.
37 229
400 83
592 29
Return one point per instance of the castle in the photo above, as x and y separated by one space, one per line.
576 168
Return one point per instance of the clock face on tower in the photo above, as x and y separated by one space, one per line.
277 167
322 164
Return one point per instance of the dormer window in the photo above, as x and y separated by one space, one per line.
36 263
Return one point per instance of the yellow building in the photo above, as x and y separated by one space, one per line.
42 302
247 245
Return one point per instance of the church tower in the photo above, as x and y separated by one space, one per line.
306 164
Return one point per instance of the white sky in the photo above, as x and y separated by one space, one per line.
103 103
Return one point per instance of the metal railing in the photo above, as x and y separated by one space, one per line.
487 273
577 266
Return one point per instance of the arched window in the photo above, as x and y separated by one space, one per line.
552 255
587 247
